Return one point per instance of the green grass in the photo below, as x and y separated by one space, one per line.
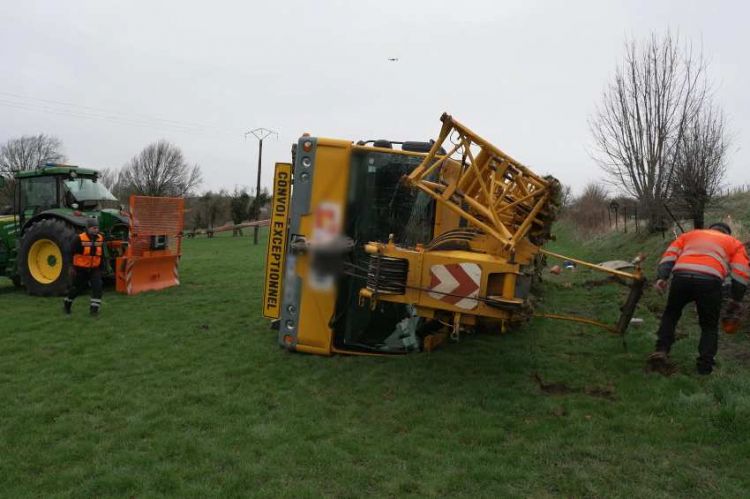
185 393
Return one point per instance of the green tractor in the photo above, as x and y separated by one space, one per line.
50 206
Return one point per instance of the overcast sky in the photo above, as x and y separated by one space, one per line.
110 77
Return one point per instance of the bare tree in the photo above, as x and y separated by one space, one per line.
160 170
111 178
29 152
566 196
588 210
639 124
700 163
26 153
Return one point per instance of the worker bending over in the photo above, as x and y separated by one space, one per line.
87 248
699 261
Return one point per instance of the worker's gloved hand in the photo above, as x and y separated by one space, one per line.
661 285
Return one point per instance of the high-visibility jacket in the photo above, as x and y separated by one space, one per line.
90 255
708 252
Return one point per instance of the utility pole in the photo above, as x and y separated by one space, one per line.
260 134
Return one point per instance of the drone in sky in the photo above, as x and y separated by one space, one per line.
393 59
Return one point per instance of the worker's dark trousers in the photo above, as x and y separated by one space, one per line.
706 293
81 281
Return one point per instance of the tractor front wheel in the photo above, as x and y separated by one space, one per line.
44 262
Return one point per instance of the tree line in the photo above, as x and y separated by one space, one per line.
215 209
159 169
659 135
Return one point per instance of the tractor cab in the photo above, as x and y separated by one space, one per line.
56 186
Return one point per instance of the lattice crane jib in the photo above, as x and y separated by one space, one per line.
484 272
486 187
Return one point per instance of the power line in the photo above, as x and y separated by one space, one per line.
74 114
102 110
60 108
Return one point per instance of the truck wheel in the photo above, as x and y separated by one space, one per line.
44 262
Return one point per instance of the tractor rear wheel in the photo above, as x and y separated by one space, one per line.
44 262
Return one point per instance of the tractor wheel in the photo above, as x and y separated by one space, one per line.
44 262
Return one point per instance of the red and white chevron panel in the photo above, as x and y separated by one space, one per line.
456 283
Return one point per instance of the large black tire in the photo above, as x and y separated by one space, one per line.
45 269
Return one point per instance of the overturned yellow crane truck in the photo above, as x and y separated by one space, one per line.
375 249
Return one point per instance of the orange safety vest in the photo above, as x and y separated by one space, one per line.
92 251
709 252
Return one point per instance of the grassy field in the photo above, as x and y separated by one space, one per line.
185 393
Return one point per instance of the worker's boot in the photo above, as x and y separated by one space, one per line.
659 362
704 367
67 306
94 307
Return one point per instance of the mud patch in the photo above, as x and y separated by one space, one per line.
665 368
743 357
559 411
595 283
551 388
604 392
737 351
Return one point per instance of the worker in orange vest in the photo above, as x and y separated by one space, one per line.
699 262
88 260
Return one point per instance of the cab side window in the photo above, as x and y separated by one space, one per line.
38 194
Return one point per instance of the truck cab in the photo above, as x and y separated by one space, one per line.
350 191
